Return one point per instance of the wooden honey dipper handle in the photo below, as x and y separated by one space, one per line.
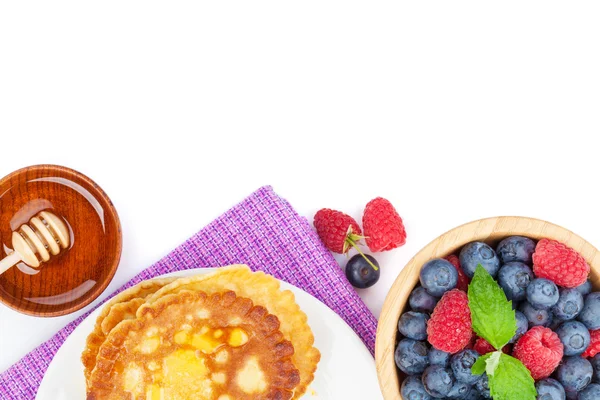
33 243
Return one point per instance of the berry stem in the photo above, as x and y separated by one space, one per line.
353 244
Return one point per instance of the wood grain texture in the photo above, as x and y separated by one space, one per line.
74 278
491 231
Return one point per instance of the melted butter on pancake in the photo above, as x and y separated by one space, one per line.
149 345
182 337
263 290
251 378
186 376
120 308
168 356
133 379
219 378
206 343
222 356
186 368
155 392
238 337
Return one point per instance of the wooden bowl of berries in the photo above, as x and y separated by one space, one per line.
502 308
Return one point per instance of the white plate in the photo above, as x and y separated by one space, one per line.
346 370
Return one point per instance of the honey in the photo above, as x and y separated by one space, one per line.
71 279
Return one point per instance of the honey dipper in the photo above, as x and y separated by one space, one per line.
37 241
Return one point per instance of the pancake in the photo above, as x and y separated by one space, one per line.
264 290
121 307
191 345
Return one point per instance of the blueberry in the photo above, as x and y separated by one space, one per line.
475 253
473 395
569 305
522 326
514 277
412 389
591 392
360 273
438 381
483 387
516 248
595 361
585 288
413 325
534 316
461 364
555 324
438 276
590 315
411 356
574 373
459 390
549 389
438 357
542 293
574 336
422 301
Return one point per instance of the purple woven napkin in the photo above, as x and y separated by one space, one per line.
262 231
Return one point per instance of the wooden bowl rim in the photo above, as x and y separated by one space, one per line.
111 211
445 244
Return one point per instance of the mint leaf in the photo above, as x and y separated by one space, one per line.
486 363
511 380
491 313
479 367
491 364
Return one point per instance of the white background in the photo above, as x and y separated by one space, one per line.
452 110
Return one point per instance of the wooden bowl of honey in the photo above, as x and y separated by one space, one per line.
66 278
490 231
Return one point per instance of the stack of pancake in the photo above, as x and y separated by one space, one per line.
228 335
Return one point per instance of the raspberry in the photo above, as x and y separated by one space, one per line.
463 280
559 263
483 347
540 350
384 229
449 329
471 343
338 231
594 347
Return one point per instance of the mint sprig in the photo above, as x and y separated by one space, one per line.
511 380
494 320
481 364
492 314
